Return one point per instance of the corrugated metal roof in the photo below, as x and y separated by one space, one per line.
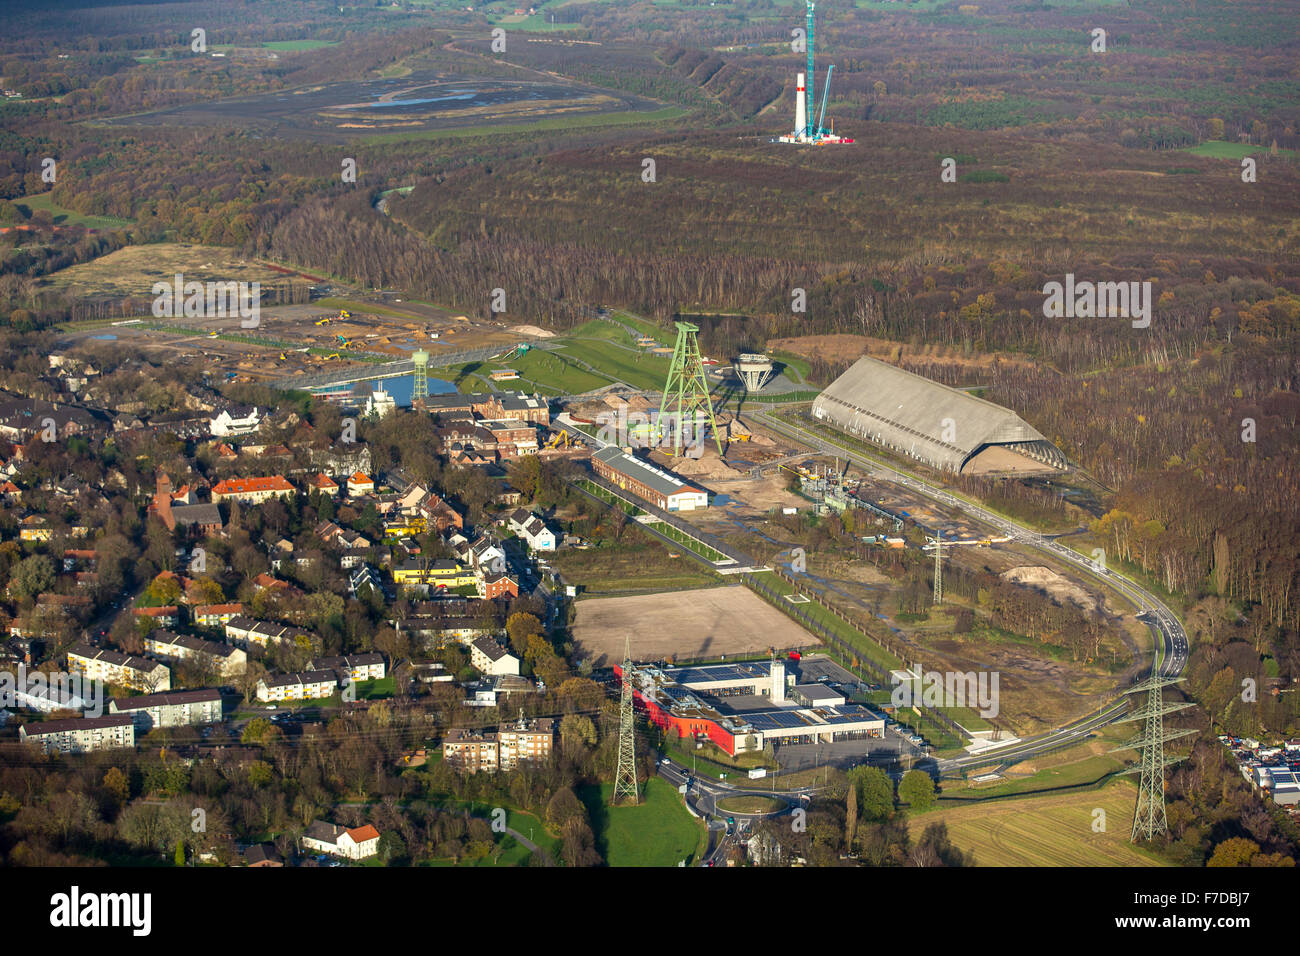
912 413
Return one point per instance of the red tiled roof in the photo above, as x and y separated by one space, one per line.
236 486
207 609
360 478
362 834
322 481
156 611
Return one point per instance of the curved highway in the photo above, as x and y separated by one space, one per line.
1171 649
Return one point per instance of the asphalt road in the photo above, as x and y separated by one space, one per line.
1171 649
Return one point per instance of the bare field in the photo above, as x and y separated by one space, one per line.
707 622
1051 830
132 271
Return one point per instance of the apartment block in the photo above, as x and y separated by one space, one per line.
122 670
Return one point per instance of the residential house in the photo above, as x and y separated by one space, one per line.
359 483
446 574
352 667
122 670
34 528
236 420
358 843
80 735
166 616
525 741
471 751
46 693
362 578
532 529
484 552
342 458
226 661
306 685
514 438
489 657
24 418
183 708
521 741
215 615
496 584
262 855
253 491
244 631
323 484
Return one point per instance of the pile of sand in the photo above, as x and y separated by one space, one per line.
532 330
708 466
1056 586
734 430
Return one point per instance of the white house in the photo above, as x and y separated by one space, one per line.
532 529
355 844
308 685
237 420
489 657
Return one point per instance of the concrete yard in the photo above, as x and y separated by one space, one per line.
702 623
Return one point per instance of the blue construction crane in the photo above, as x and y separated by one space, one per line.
821 120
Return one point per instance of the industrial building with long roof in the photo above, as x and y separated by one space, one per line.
942 427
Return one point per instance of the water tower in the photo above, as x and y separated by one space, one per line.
419 375
754 370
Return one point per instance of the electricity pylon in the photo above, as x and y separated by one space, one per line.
686 391
937 541
1149 817
625 776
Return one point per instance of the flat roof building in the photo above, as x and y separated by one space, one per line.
689 701
80 735
182 708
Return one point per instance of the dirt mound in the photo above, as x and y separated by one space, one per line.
532 330
735 431
1059 588
709 467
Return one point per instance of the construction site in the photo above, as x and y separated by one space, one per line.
810 127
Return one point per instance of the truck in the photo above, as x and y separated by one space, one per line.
758 773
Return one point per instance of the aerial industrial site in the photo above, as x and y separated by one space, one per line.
775 436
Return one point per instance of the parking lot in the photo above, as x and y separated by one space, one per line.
813 668
878 752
